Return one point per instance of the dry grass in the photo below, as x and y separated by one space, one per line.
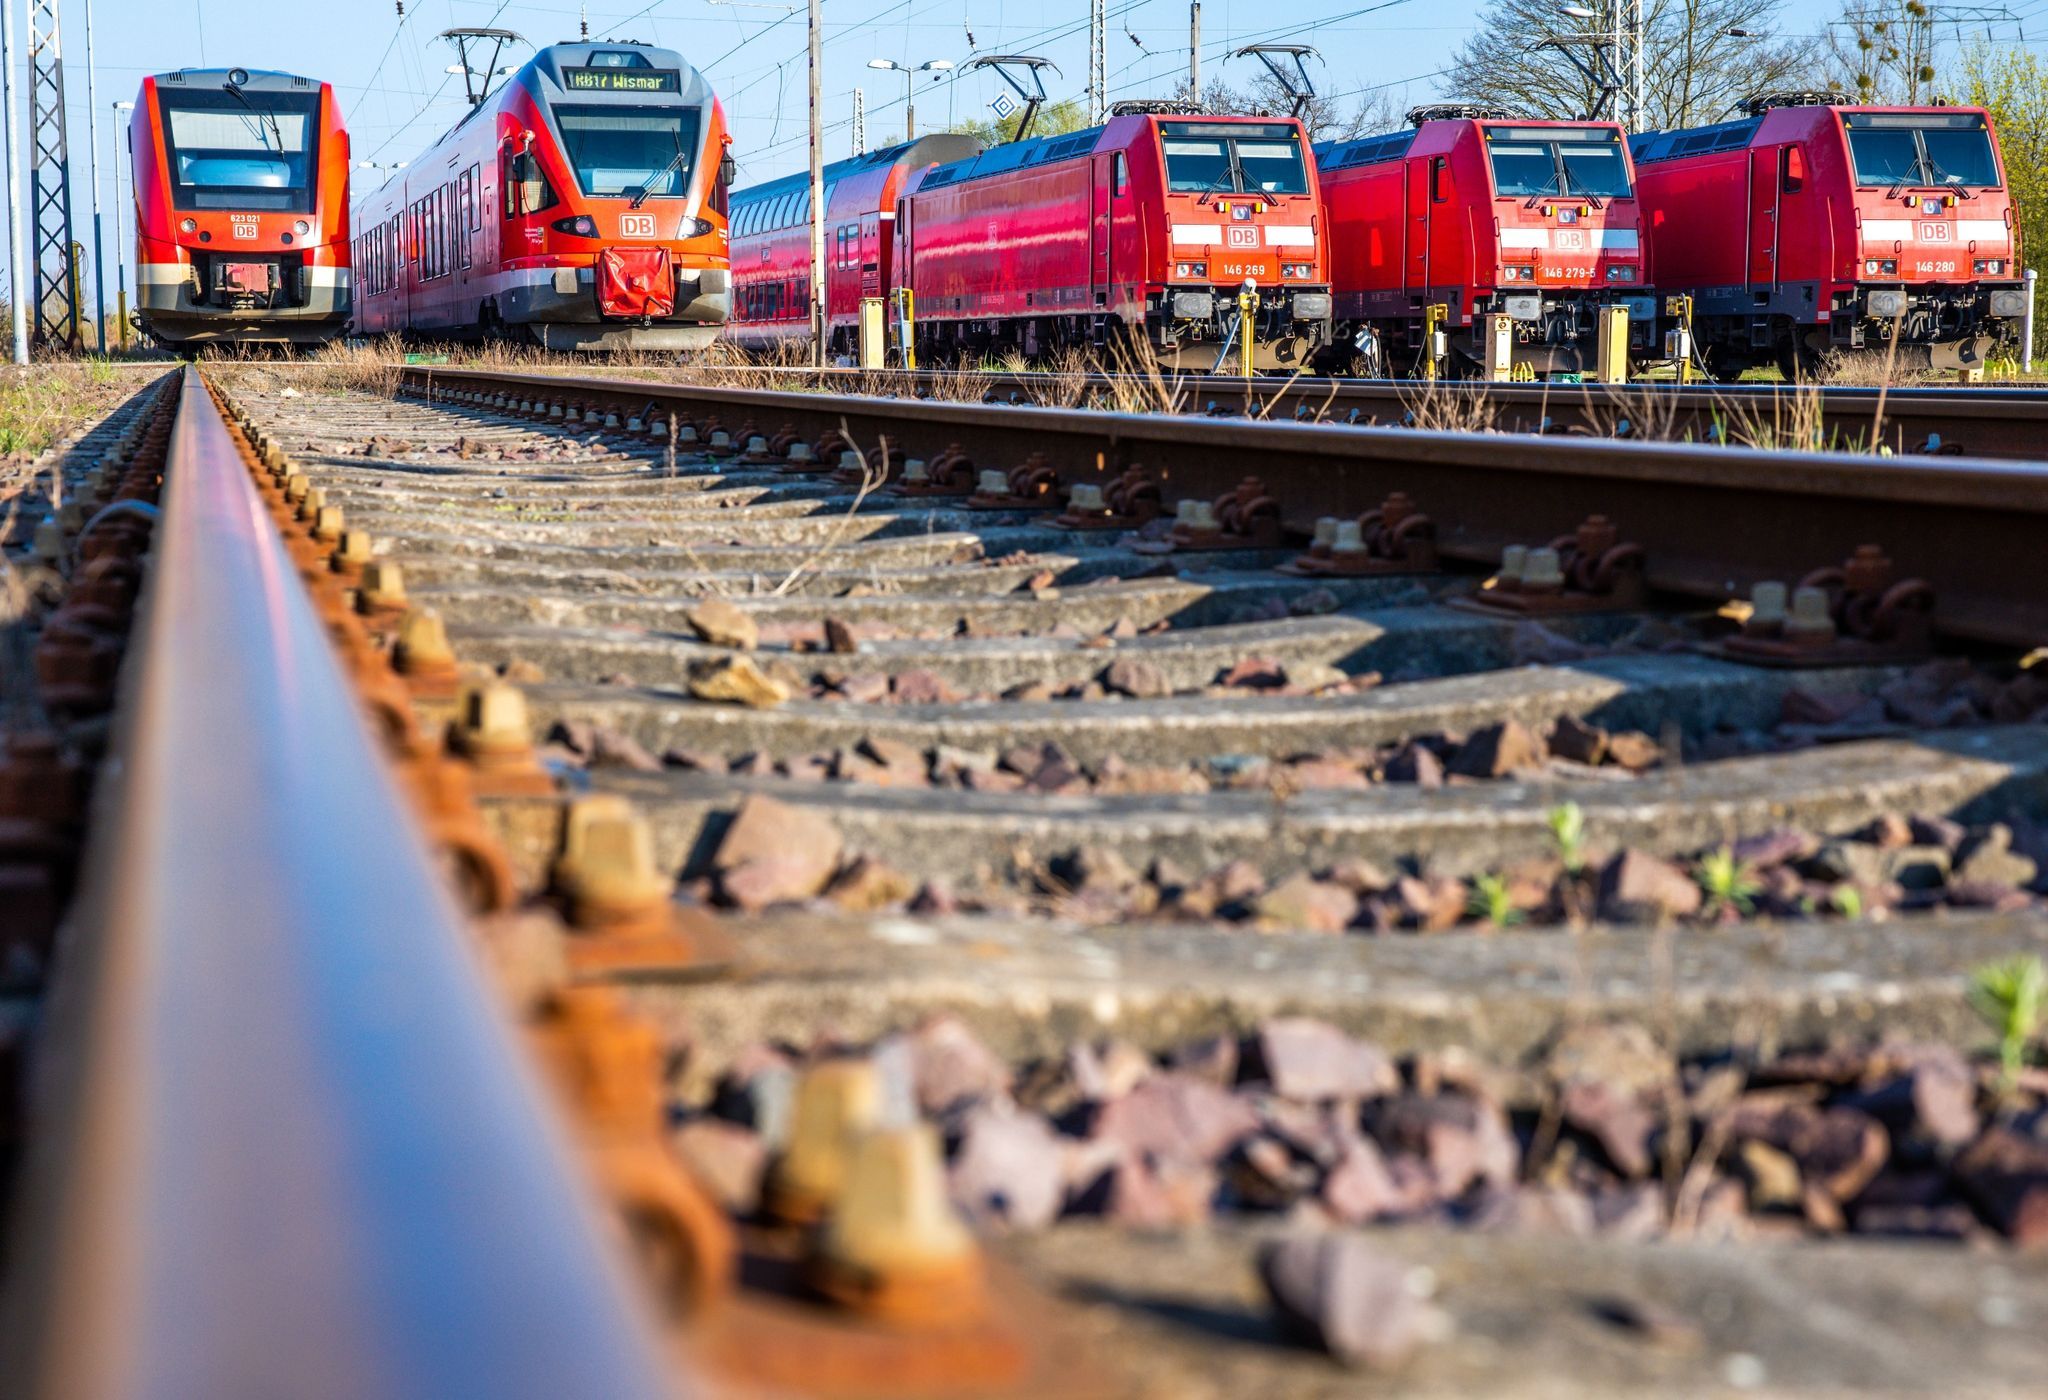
41 402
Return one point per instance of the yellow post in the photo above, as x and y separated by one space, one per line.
78 301
1610 345
1247 308
1678 341
1498 342
906 326
121 313
1433 318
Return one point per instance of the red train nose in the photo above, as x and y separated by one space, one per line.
635 282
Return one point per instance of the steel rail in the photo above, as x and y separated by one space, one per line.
293 1145
1713 520
1987 421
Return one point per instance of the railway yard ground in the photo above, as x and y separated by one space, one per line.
1023 885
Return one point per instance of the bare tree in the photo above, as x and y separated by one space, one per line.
1883 51
1702 58
1327 117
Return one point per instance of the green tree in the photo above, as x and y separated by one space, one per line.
1883 51
1054 119
2012 84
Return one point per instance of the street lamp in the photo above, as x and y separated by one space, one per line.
890 65
388 169
120 257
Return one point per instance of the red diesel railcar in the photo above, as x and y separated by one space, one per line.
580 205
1147 227
1809 228
241 208
1481 215
771 243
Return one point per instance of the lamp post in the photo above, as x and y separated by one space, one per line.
1618 54
389 168
120 256
890 65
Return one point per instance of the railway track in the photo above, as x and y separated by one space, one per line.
1197 904
1980 421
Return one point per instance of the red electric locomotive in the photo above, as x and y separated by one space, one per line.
1147 227
771 243
1481 215
580 205
241 208
1810 228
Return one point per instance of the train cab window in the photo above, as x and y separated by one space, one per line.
1439 179
623 152
237 148
1239 157
1791 169
1121 178
1921 149
1566 161
527 189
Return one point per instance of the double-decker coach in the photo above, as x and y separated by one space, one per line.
581 205
1482 215
241 208
1809 228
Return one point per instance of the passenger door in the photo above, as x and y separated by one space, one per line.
1415 277
1763 218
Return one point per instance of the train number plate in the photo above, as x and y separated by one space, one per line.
636 225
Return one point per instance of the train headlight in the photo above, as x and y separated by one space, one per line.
1880 267
1518 272
581 225
1988 267
1191 269
187 225
697 228
302 228
1300 271
1621 272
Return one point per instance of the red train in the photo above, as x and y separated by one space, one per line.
771 233
1143 228
241 208
580 205
1482 215
1809 228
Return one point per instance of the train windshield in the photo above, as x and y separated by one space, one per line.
618 152
1558 161
1921 149
232 148
1233 157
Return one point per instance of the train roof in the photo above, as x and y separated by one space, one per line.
925 150
254 79
1041 150
621 73
1649 147
1390 145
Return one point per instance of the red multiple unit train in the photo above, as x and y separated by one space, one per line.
241 208
1144 228
1482 216
580 205
1810 228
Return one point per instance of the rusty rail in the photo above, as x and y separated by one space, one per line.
1712 521
293 1146
1983 421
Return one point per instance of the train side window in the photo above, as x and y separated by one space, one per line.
470 178
1439 179
1791 169
527 190
1123 175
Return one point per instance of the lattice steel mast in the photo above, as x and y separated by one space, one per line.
53 256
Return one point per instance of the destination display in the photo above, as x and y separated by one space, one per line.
622 79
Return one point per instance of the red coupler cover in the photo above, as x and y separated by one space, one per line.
635 282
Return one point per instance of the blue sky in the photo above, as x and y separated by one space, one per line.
397 97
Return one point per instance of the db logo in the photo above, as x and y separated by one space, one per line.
1934 233
1244 238
636 225
1571 238
244 225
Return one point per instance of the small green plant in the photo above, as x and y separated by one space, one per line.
1568 831
2009 996
1847 901
1727 882
1491 901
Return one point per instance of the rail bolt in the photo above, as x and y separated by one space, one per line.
1346 537
800 452
1541 572
606 870
422 648
916 473
1812 622
591 415
686 432
1325 536
635 424
491 726
49 541
994 482
721 438
327 524
757 445
382 589
851 462
352 553
1766 610
836 1104
71 516
311 504
1086 496
1514 561
611 420
893 1246
555 410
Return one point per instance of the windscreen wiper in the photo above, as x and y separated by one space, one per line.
262 116
674 164
1228 172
